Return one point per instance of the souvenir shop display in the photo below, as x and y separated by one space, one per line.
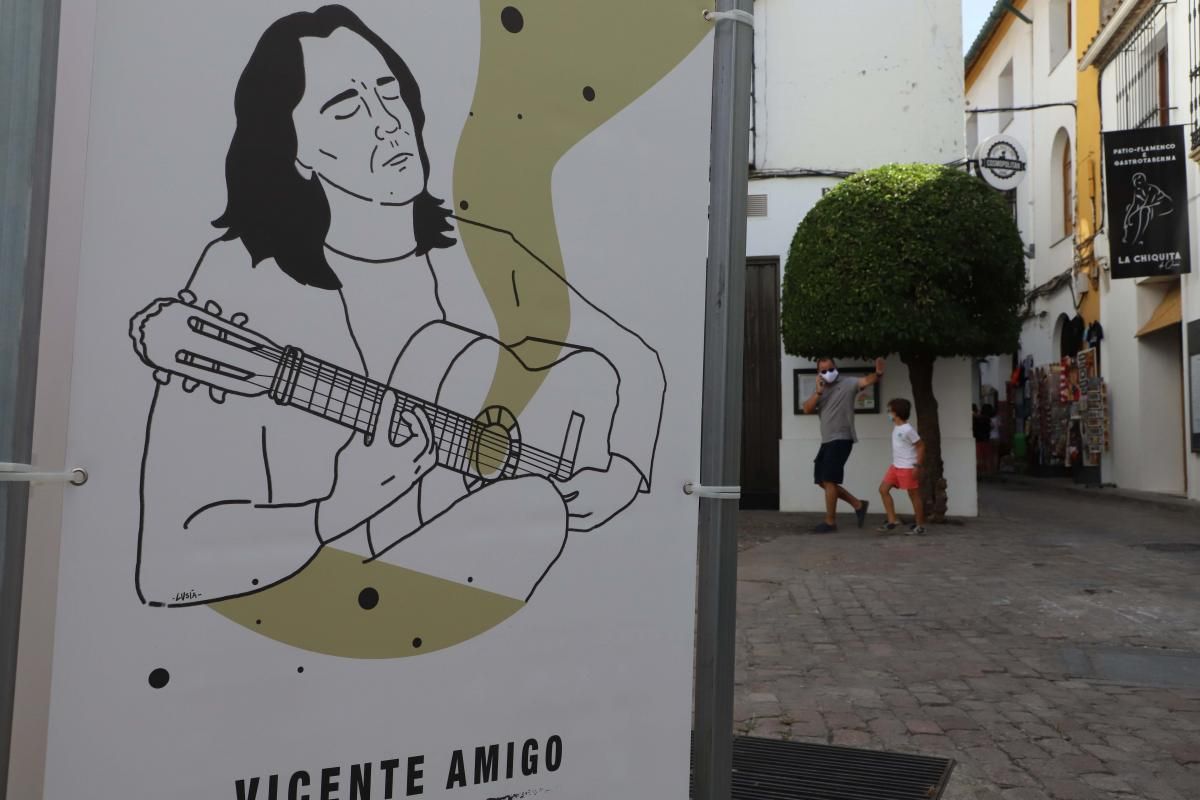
1068 423
1093 408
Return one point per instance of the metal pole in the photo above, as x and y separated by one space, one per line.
720 438
28 54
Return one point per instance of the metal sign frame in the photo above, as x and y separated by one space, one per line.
722 405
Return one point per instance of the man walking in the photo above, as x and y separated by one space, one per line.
833 400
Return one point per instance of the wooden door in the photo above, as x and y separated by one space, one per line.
761 423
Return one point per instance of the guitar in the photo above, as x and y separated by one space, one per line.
447 371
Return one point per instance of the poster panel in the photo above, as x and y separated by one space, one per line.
385 425
1146 187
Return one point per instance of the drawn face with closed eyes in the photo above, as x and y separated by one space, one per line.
353 130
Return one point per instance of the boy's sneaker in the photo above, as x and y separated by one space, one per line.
916 530
825 527
861 512
888 527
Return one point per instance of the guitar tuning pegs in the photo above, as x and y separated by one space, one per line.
162 377
239 319
212 307
188 296
217 395
190 385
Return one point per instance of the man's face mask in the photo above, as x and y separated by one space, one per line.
830 375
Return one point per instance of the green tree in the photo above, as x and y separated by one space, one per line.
915 259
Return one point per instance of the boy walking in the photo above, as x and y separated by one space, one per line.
908 453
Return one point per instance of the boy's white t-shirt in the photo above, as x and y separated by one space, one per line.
904 446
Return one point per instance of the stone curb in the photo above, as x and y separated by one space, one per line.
1111 495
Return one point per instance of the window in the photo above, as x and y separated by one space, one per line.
1063 190
1006 95
1068 219
1194 68
1164 94
1143 89
1059 30
973 132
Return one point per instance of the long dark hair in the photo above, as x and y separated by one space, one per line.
275 212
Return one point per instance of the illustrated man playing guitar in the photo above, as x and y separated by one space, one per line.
321 380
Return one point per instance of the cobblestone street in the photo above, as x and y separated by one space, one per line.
1051 647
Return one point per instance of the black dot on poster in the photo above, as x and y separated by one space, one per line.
589 93
159 678
254 582
520 116
464 205
417 642
470 580
300 670
258 622
512 19
368 598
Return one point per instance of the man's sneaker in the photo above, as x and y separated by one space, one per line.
916 530
861 513
888 527
825 527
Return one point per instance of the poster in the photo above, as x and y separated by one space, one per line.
386 431
1146 187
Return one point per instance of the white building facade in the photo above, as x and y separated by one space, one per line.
841 87
1147 53
1021 82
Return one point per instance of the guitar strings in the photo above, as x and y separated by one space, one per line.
344 379
491 444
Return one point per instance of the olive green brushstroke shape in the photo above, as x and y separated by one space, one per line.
529 110
318 609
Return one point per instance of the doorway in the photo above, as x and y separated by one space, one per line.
761 404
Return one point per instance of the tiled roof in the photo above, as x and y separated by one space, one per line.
981 39
1131 21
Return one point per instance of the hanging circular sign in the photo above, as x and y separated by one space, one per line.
1002 162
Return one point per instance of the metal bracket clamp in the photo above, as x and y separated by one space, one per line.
27 473
714 492
737 15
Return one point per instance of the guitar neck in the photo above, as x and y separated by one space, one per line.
353 401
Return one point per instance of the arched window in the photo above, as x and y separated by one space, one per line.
1063 190
1063 335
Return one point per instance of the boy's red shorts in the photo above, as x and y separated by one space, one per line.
902 478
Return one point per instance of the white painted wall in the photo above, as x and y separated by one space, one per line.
1043 72
1146 377
891 92
857 84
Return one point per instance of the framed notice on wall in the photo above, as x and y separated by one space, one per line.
804 383
378 424
1146 188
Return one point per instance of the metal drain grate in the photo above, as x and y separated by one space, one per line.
768 769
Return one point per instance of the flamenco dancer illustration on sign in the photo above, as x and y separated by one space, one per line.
325 423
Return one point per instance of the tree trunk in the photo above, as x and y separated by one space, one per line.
933 480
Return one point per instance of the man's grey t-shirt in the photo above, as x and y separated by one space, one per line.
836 407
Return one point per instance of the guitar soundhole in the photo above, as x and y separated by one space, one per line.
495 444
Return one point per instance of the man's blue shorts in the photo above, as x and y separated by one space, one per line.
830 463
